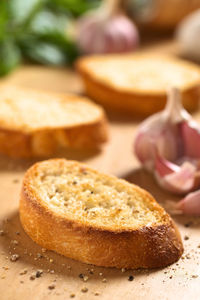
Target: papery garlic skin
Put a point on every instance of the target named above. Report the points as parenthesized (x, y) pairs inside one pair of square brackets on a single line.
[(188, 34), (191, 137), (168, 144), (160, 133), (106, 31)]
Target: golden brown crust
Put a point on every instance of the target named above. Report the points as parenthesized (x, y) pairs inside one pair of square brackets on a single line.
[(132, 102), (36, 123), (47, 142), (146, 247)]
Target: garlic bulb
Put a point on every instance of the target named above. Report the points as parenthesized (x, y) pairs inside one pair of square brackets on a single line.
[(188, 35), (107, 30), (168, 144)]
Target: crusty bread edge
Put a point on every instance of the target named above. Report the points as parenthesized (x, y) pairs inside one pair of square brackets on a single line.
[(149, 247), (46, 142), (132, 102)]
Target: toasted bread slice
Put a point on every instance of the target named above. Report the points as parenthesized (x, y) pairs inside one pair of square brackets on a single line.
[(95, 218), (34, 123), (138, 83)]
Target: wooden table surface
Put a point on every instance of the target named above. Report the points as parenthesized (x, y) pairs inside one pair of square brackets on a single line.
[(179, 281)]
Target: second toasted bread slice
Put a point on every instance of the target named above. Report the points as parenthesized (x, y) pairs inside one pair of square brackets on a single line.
[(95, 218), (138, 83), (35, 123)]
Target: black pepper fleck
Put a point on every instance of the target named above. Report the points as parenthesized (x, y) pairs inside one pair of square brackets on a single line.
[(38, 273), (188, 224), (130, 278)]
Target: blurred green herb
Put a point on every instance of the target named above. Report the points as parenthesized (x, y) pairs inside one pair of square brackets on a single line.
[(38, 30), (76, 7)]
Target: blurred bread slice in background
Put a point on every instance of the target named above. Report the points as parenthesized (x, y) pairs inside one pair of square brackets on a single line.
[(161, 15), (35, 123), (138, 83)]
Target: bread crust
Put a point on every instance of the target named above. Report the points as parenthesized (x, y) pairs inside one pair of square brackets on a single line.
[(132, 102), (147, 247), (83, 124), (46, 142)]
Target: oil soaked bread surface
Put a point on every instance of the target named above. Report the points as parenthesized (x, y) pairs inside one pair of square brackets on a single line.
[(81, 194)]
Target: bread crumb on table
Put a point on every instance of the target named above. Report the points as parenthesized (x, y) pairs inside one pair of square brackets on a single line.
[(72, 295), (23, 272), (123, 270), (84, 290), (32, 277), (14, 257), (51, 286)]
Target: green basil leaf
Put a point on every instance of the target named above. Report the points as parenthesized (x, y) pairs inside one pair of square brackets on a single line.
[(61, 40), (45, 53), (10, 57), (3, 19), (76, 7), (22, 10), (46, 21)]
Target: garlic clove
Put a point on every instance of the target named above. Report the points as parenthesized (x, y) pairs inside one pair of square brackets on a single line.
[(191, 139), (127, 33), (164, 167), (145, 150), (190, 205), (174, 178), (182, 180), (160, 132), (187, 35), (168, 145), (107, 30)]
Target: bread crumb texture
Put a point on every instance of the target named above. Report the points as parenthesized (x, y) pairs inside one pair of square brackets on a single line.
[(81, 194)]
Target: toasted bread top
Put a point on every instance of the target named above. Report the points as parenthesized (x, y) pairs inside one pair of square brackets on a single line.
[(85, 197), (28, 110), (140, 73)]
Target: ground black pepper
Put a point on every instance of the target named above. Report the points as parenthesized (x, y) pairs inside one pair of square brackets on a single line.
[(130, 278)]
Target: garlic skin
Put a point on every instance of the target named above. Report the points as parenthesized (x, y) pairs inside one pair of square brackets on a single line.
[(168, 145), (160, 133), (188, 33), (107, 30)]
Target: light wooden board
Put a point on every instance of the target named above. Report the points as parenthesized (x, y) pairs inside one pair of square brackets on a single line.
[(179, 281)]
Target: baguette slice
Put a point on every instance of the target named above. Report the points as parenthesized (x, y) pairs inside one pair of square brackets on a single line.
[(34, 123), (138, 83), (95, 218)]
